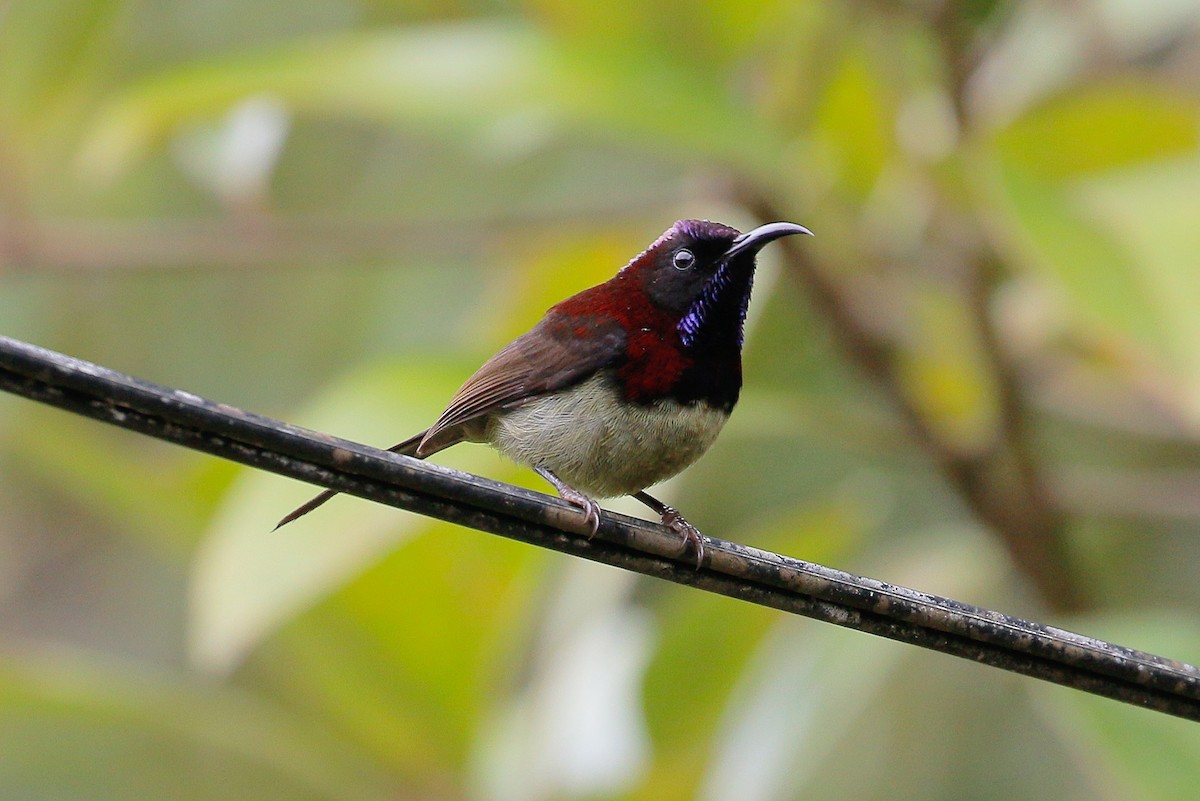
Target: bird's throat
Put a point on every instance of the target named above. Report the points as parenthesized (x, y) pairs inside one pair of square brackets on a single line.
[(718, 314)]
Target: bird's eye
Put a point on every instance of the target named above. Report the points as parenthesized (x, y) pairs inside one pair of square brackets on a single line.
[(683, 259)]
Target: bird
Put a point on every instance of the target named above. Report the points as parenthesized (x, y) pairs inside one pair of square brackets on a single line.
[(620, 386)]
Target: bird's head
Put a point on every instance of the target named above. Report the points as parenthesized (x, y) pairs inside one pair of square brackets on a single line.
[(702, 272)]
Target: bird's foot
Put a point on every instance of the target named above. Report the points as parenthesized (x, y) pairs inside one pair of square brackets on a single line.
[(676, 522), (691, 535), (591, 509)]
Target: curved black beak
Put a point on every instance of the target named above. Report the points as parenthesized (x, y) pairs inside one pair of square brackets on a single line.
[(752, 241)]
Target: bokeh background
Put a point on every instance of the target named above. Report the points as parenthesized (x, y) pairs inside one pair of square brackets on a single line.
[(981, 379)]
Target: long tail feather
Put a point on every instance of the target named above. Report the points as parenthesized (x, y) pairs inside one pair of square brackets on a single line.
[(406, 448)]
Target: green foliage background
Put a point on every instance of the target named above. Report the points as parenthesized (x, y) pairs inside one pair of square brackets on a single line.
[(330, 211)]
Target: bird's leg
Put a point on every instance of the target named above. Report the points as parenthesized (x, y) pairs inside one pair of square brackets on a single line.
[(676, 522), (591, 509)]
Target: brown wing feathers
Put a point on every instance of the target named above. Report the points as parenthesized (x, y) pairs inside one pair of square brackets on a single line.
[(554, 355)]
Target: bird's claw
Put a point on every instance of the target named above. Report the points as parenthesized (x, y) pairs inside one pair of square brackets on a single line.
[(591, 516), (691, 535), (591, 509)]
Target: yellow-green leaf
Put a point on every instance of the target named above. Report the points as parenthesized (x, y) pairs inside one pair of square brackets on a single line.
[(1100, 127)]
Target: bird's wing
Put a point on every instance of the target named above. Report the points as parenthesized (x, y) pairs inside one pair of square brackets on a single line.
[(560, 351)]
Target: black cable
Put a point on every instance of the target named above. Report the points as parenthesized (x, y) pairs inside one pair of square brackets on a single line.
[(735, 570)]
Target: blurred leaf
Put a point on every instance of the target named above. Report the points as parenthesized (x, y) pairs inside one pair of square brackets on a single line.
[(461, 79), (855, 121), (945, 371), (249, 580), (646, 102), (708, 643), (44, 48), (1102, 126), (54, 58), (1129, 753), (1041, 228), (1152, 211), (805, 690), (814, 699), (406, 658), (161, 493), (573, 726), (72, 726), (705, 35), (798, 698), (978, 12), (453, 76)]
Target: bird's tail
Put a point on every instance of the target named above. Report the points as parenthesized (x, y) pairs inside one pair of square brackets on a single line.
[(406, 448)]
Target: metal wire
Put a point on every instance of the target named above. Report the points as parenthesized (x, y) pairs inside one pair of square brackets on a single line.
[(738, 571)]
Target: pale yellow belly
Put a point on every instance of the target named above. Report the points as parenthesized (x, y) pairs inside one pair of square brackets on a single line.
[(603, 447)]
